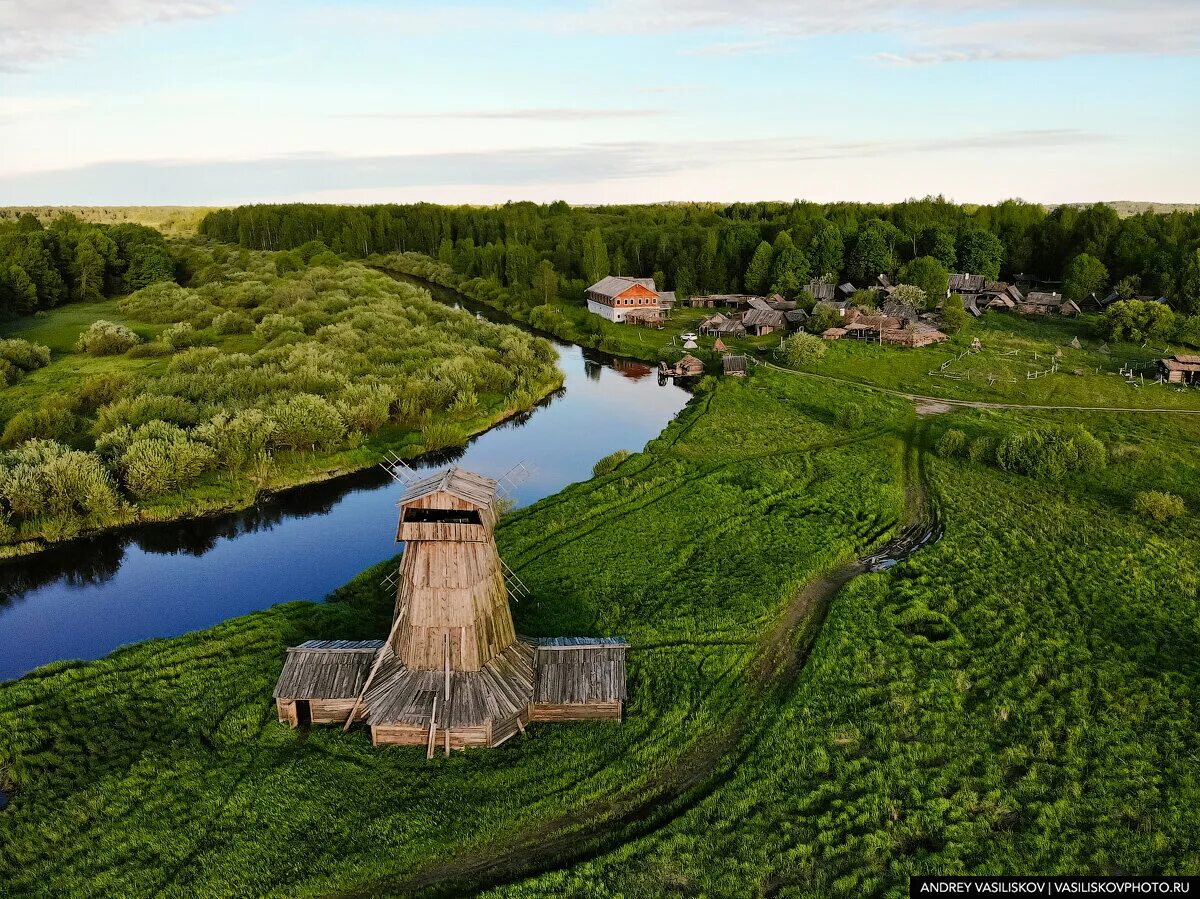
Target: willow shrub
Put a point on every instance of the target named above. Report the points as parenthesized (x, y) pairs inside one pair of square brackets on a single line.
[(105, 338), (338, 355)]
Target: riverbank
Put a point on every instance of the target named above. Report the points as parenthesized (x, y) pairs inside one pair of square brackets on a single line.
[(212, 412)]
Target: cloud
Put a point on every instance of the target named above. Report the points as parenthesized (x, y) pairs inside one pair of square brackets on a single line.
[(26, 107), (671, 88), (923, 31), (730, 48), (540, 114), (172, 182), (35, 31)]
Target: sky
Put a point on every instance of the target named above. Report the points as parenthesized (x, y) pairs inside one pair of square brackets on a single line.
[(214, 102)]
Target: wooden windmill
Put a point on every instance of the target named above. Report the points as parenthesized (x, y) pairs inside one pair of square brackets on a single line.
[(452, 670)]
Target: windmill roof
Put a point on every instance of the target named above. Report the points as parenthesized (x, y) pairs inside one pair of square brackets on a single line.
[(466, 485)]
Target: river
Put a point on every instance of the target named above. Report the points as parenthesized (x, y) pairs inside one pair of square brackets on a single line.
[(83, 599)]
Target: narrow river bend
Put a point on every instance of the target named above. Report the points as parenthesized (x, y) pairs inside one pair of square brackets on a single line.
[(84, 599)]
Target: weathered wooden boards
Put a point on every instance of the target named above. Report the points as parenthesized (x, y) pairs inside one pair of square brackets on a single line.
[(452, 671)]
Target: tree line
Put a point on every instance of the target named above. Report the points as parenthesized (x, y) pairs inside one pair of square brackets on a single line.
[(751, 247), (43, 266)]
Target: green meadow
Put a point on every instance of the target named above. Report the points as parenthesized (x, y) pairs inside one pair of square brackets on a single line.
[(1017, 696)]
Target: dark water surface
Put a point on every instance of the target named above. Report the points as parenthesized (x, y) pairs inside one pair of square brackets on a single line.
[(84, 599)]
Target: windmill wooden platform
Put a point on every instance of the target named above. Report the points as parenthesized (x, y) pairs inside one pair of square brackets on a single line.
[(452, 671)]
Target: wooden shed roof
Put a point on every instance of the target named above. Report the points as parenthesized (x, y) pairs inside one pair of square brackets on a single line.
[(326, 669), (764, 317), (466, 485), (1182, 363), (592, 671), (821, 290)]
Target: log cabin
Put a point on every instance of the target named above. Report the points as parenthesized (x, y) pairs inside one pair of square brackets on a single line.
[(452, 672)]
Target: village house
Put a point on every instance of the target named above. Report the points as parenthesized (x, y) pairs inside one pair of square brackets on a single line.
[(764, 321), (1039, 302), (822, 290), (1181, 370), (722, 300), (614, 298), (965, 284), (841, 307), (687, 367), (833, 333), (719, 325), (918, 334)]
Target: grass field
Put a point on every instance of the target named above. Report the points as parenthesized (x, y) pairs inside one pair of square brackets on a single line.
[(1019, 696), (173, 221), (159, 770)]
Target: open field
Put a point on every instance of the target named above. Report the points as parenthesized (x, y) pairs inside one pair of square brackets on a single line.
[(1014, 348), (197, 791), (1018, 693), (173, 221)]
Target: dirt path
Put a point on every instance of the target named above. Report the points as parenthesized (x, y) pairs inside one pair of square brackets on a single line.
[(936, 404), (578, 837)]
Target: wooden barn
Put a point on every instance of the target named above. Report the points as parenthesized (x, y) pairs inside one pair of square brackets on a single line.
[(452, 671), (734, 366), (1181, 370), (764, 321)]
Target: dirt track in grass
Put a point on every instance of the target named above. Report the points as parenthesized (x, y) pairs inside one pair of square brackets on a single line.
[(578, 837)]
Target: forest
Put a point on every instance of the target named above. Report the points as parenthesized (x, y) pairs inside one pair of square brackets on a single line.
[(250, 376), (44, 266), (752, 247)]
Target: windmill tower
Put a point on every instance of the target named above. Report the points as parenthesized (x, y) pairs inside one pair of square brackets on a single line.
[(451, 598), (452, 670)]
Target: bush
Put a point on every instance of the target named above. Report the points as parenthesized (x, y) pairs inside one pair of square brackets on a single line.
[(1052, 453), (306, 421), (54, 422), (1157, 505), (179, 336), (105, 338), (151, 467), (803, 349), (951, 444), (852, 416), (237, 440), (276, 325), (100, 390), (233, 322), (144, 408), (610, 462), (42, 478), (151, 349), (23, 354)]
